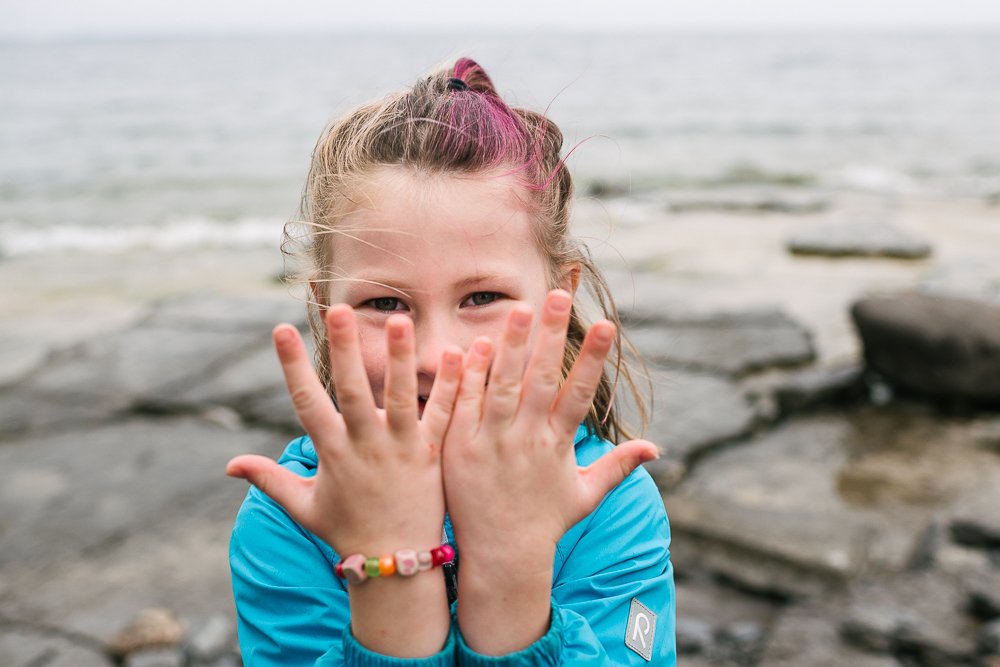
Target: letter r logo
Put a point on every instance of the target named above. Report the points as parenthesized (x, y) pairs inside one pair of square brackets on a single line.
[(641, 629)]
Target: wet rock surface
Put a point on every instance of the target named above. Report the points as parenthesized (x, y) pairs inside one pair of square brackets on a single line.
[(943, 347), (810, 526), (864, 239)]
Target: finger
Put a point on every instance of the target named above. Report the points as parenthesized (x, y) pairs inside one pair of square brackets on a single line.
[(441, 402), (280, 484), (468, 410), (544, 372), (577, 393), (350, 381), (309, 398), (400, 398), (503, 394), (608, 471)]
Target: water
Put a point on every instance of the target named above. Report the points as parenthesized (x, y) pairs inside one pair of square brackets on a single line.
[(175, 142)]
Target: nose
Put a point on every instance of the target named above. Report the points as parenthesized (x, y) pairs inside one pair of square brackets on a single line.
[(434, 334)]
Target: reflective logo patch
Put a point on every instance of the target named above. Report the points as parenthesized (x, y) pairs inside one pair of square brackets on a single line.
[(640, 629)]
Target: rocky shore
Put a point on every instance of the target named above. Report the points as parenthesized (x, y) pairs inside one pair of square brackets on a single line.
[(826, 509)]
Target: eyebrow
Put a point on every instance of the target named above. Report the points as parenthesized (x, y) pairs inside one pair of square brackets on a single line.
[(361, 282)]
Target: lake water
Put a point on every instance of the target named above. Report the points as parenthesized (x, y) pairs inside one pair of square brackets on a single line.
[(175, 142)]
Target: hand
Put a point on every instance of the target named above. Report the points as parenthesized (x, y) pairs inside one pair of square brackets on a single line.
[(512, 484), (378, 485)]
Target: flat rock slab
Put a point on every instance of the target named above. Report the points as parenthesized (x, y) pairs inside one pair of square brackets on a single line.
[(748, 200), (916, 614), (693, 412), (730, 343), (859, 239), (52, 507), (942, 347), (810, 505), (805, 635), (184, 353), (35, 647), (99, 524)]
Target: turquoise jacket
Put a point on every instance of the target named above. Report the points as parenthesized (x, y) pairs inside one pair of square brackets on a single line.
[(612, 585)]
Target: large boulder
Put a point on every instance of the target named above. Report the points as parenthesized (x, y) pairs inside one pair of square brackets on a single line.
[(945, 348)]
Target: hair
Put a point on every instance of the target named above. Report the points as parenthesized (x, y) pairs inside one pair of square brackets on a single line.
[(455, 122)]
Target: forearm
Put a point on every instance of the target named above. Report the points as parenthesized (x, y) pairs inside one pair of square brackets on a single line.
[(504, 603), (398, 616)]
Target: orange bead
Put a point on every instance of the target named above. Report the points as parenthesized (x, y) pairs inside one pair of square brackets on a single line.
[(386, 566)]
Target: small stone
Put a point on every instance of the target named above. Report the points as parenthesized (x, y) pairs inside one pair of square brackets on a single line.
[(156, 657), (989, 638), (741, 640), (151, 628), (211, 639), (694, 636), (875, 629)]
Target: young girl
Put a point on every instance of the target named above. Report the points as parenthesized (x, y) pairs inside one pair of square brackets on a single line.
[(472, 414)]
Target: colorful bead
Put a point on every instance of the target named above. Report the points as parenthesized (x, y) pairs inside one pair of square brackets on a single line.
[(424, 561), (353, 569), (442, 554), (371, 566), (386, 566), (406, 562)]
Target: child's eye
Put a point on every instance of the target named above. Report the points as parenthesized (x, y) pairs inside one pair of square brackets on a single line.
[(481, 298), (385, 303)]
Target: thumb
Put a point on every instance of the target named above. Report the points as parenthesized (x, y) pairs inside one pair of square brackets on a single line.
[(279, 483), (608, 471)]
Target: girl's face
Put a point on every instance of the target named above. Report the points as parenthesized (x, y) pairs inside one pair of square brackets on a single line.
[(454, 253)]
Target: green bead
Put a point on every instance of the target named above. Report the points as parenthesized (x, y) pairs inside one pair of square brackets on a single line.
[(371, 566)]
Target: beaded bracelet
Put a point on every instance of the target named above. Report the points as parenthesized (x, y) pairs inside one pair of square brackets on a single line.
[(358, 568)]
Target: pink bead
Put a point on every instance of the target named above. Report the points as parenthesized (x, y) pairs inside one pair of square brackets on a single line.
[(406, 562), (424, 561), (353, 568), (442, 554)]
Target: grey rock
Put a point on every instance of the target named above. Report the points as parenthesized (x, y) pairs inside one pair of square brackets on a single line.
[(156, 657), (731, 343), (913, 614), (694, 636), (989, 638), (226, 313), (792, 391), (52, 508), (227, 660), (940, 347), (212, 639), (858, 239), (876, 629), (24, 647), (747, 201), (771, 513), (806, 635), (692, 412), (983, 594)]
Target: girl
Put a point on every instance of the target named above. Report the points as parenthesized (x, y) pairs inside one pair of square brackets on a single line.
[(438, 234)]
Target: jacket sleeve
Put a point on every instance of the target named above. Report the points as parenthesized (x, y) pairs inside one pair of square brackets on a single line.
[(618, 554), (291, 609)]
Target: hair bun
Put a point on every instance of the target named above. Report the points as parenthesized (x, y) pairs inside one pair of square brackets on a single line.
[(470, 73)]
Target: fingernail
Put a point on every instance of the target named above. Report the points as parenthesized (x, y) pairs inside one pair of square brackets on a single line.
[(560, 302), (521, 318), (282, 334), (482, 347), (604, 334), (452, 358)]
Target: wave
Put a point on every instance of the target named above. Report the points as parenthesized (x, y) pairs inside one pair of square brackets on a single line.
[(18, 239)]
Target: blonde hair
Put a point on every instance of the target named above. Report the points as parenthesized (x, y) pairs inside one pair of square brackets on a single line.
[(454, 122)]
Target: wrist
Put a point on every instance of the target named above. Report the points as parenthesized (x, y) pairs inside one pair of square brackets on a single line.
[(512, 594)]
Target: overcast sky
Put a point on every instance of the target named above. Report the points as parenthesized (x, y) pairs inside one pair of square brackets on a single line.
[(54, 18)]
